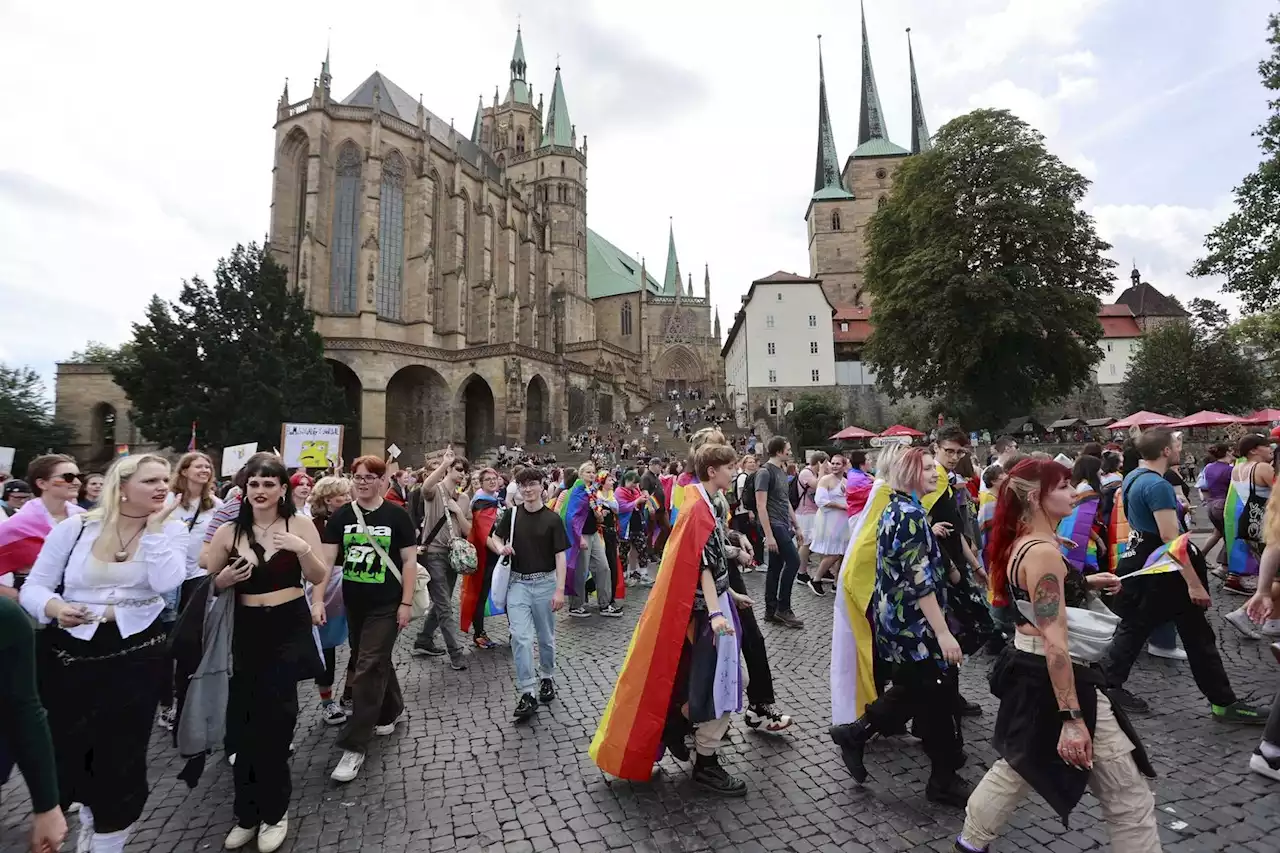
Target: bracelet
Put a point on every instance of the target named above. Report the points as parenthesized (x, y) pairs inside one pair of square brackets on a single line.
[(714, 613), (305, 553), (409, 604)]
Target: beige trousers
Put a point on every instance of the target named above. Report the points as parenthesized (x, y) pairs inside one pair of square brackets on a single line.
[(1127, 804), (707, 736)]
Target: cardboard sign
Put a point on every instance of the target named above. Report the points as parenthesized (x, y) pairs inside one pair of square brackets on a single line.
[(6, 460), (234, 457), (393, 451), (310, 445)]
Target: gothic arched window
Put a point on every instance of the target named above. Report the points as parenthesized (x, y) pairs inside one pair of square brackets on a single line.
[(387, 296), (884, 199), (520, 140), (346, 228), (835, 220), (626, 318)]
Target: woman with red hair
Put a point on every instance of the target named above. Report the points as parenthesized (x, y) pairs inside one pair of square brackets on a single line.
[(909, 607), (1058, 734)]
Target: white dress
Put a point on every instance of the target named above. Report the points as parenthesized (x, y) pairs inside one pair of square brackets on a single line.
[(831, 529)]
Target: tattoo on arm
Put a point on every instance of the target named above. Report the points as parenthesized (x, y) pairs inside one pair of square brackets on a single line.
[(1062, 676), (1047, 599)]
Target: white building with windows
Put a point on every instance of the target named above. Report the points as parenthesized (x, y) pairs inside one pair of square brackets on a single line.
[(779, 347), (1120, 334)]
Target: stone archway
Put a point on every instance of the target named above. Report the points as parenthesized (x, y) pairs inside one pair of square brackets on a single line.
[(352, 394), (417, 413), (537, 410), (678, 368), (477, 415), (102, 433)]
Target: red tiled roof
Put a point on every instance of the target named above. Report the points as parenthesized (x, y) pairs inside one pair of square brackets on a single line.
[(859, 331), (1117, 310), (782, 276), (1119, 327), (852, 312), (1117, 322)]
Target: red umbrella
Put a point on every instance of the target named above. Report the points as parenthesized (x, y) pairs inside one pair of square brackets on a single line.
[(1205, 419), (1143, 419), (1262, 416), (852, 432), (899, 429)]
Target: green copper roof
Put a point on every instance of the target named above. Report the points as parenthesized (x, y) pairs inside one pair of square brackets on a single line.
[(475, 126), (558, 130), (671, 281), (826, 178), (919, 128), (871, 127), (518, 91), (611, 271)]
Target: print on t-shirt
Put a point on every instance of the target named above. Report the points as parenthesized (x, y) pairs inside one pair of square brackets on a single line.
[(362, 563)]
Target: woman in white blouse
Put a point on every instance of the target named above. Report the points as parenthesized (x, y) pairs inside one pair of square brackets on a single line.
[(101, 662)]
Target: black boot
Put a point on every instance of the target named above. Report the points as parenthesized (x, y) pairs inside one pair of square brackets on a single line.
[(948, 789), (673, 735), (708, 773), (852, 739)]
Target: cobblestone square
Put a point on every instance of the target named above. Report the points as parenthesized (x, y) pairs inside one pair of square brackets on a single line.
[(458, 775)]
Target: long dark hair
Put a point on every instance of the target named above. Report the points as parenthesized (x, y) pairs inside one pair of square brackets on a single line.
[(262, 465), (1087, 470)]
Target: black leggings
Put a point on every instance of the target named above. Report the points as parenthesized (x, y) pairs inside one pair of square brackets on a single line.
[(931, 696)]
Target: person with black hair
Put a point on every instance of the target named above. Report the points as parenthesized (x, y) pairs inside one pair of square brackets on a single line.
[(778, 518)]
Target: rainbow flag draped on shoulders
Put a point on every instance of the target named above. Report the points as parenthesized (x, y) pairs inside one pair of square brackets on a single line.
[(1079, 546), (853, 684), (23, 535), (628, 739), (986, 520), (1241, 557), (485, 511), (573, 507), (676, 494)]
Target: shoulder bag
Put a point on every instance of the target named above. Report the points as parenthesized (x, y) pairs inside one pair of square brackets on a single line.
[(421, 601), (462, 554)]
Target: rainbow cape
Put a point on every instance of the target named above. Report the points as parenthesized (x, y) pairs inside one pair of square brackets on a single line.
[(1241, 559), (853, 685), (573, 507), (23, 535), (1079, 546), (627, 741), (986, 519), (676, 494), (1169, 557), (484, 515), (612, 553)]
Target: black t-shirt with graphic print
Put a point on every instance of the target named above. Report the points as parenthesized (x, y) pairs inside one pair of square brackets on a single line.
[(366, 583)]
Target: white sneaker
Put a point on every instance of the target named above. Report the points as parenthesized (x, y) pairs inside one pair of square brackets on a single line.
[(1174, 653), (231, 759), (84, 839), (1271, 628), (271, 836), (383, 731), (239, 836), (1240, 620), (348, 767)]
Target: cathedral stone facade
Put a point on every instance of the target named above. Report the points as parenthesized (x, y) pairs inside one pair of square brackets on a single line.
[(461, 296)]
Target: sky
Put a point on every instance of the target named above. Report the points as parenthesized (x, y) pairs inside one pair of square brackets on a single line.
[(137, 147)]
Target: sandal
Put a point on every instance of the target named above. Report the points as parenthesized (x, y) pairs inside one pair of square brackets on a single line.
[(483, 642)]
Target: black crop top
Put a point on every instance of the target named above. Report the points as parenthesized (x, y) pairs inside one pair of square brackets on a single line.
[(282, 571), (1075, 588)]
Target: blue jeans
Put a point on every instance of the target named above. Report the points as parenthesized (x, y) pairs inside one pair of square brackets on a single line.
[(782, 571), (529, 613), (1164, 637)]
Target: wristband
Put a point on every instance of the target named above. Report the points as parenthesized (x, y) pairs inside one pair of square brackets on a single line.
[(1067, 715), (714, 613), (406, 604)]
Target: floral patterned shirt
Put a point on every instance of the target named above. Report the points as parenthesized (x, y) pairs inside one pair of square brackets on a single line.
[(909, 566)]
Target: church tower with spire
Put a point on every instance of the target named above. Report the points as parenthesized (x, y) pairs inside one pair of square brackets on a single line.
[(830, 216)]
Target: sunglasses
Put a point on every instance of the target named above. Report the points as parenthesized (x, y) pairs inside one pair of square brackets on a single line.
[(73, 477)]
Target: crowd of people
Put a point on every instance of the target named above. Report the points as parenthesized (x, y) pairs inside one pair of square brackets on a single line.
[(167, 598)]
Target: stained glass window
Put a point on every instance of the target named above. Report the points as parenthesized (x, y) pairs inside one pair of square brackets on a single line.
[(387, 296), (346, 228)]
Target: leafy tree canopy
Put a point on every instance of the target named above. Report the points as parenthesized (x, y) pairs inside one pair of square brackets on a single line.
[(813, 419), (1258, 335), (985, 273), (99, 353), (1246, 248), (26, 420), (1185, 367), (240, 356)]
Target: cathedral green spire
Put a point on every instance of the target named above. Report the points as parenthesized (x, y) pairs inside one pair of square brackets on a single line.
[(558, 130), (873, 138), (919, 127), (671, 282), (518, 91), (476, 125), (826, 178)]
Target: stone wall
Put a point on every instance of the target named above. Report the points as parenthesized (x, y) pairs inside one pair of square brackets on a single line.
[(96, 408)]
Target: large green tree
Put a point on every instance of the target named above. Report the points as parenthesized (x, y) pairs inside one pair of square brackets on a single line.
[(813, 419), (1185, 367), (26, 417), (985, 273), (241, 356), (1246, 248), (1258, 335)]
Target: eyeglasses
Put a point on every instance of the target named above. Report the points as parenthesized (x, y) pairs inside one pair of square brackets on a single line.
[(70, 477), (951, 451), (365, 478)]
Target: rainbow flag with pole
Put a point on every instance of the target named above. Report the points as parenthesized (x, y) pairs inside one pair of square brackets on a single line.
[(1169, 557), (853, 684), (628, 740)]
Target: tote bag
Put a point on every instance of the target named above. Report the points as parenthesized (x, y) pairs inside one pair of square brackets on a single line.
[(497, 603)]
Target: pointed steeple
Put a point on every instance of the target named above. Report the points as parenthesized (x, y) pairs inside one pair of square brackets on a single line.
[(717, 323), (706, 281), (873, 137), (689, 292), (518, 91), (479, 122), (919, 127), (826, 177), (671, 282), (326, 79), (558, 130)]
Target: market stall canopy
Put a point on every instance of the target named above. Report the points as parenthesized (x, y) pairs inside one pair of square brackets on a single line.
[(1205, 419), (1023, 425), (1262, 416), (1099, 422), (1066, 423), (852, 432), (899, 429), (1143, 419)]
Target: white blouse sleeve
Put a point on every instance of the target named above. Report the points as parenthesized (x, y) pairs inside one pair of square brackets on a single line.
[(47, 573), (165, 556)]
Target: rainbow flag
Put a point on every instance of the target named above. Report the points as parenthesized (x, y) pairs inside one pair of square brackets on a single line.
[(1169, 557), (853, 684), (1079, 547), (1241, 559), (628, 739), (573, 507), (484, 515), (676, 494), (23, 535), (986, 518)]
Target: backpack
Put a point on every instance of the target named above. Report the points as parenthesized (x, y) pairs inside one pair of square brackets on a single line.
[(748, 493), (1118, 528), (731, 493), (793, 491)]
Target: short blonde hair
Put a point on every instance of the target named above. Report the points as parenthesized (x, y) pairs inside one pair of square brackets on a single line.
[(906, 474), (325, 488)]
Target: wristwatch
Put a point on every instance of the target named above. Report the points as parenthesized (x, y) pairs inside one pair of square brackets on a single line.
[(1069, 714)]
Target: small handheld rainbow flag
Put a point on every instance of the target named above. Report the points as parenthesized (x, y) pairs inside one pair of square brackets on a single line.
[(1169, 557)]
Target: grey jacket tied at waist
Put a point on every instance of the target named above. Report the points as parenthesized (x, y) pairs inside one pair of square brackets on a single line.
[(203, 722)]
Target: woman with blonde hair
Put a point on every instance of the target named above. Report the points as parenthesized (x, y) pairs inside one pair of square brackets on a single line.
[(328, 614), (104, 653), (582, 508)]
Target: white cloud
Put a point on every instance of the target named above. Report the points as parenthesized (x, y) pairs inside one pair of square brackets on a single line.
[(988, 39), (1083, 59)]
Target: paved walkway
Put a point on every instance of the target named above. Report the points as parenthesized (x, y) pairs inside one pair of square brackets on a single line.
[(459, 776)]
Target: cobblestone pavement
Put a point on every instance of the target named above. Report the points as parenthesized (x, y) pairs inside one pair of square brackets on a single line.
[(459, 775)]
